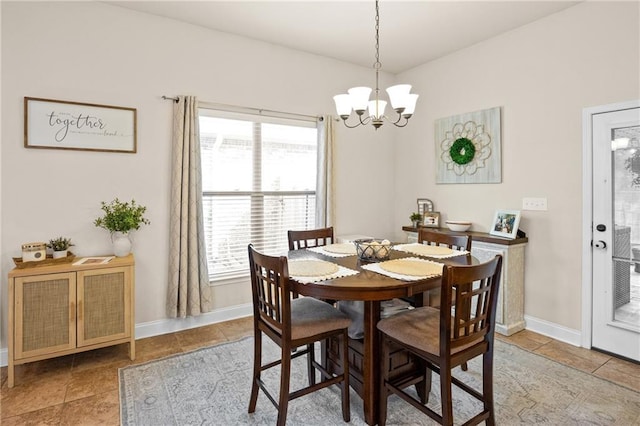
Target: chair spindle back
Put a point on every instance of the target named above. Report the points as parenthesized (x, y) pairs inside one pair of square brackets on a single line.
[(456, 242), (310, 238), (475, 305), (270, 289)]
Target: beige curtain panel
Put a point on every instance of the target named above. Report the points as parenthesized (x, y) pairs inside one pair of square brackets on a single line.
[(189, 290), (325, 215)]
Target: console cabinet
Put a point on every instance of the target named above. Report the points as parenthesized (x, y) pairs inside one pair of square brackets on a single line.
[(510, 309), (62, 309)]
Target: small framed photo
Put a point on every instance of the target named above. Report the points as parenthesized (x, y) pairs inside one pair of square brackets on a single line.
[(505, 223), (431, 219)]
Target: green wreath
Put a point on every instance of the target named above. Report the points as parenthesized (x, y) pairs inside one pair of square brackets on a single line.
[(462, 151)]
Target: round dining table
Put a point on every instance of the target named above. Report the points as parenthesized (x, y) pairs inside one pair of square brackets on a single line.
[(372, 288)]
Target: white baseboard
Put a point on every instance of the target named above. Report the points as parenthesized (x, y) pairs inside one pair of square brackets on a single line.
[(171, 325), (553, 330)]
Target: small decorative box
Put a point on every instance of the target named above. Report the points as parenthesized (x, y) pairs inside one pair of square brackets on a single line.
[(33, 252)]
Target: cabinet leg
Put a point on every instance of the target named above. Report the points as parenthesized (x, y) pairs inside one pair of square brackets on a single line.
[(132, 349), (10, 376)]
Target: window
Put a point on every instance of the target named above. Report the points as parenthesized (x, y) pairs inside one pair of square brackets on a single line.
[(258, 181)]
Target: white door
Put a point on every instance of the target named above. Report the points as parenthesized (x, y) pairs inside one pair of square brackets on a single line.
[(616, 232)]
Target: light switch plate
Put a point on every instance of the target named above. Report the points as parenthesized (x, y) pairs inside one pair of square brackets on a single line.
[(534, 204)]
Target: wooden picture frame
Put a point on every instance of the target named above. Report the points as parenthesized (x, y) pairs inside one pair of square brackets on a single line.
[(53, 124), (505, 223), (431, 219)]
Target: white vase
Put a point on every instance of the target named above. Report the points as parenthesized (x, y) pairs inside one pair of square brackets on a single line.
[(59, 254), (121, 243)]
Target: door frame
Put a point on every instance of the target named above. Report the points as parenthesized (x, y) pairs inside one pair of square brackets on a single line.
[(587, 211)]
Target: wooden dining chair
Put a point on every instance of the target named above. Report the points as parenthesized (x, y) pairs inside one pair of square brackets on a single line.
[(310, 238), (453, 241), (292, 323), (445, 340), (299, 240), (456, 242)]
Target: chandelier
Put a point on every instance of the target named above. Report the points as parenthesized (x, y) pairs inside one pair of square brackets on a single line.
[(357, 98)]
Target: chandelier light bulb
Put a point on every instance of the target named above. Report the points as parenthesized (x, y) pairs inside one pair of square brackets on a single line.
[(412, 98), (398, 95), (359, 98), (343, 105), (376, 109)]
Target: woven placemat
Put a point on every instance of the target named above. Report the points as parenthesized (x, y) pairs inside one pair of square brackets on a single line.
[(412, 267), (311, 268), (425, 250), (341, 248)]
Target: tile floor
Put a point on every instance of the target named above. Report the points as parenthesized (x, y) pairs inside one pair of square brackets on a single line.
[(82, 389)]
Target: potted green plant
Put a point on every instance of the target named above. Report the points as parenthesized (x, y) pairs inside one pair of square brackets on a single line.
[(60, 246), (416, 218), (120, 218)]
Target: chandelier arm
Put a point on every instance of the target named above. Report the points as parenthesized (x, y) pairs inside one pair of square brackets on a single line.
[(400, 117), (367, 119), (365, 122), (397, 122), (350, 127)]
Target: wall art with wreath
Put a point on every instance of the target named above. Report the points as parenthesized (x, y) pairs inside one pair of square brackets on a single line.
[(468, 147)]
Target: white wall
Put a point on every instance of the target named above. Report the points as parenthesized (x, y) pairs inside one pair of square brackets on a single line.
[(542, 75), (98, 53)]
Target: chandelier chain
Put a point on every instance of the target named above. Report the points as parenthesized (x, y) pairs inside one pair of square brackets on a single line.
[(377, 64)]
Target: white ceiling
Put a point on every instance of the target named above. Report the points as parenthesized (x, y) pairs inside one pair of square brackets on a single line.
[(411, 32)]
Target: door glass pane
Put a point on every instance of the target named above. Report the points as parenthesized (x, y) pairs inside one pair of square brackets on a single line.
[(626, 237)]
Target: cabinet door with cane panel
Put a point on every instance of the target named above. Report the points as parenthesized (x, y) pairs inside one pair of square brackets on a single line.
[(45, 316), (103, 306)]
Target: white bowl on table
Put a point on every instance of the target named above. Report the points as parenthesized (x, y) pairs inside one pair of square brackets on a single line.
[(458, 225)]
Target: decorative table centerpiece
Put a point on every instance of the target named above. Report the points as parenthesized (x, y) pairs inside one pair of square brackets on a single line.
[(372, 249)]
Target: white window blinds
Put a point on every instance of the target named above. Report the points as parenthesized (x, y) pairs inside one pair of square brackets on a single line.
[(258, 181)]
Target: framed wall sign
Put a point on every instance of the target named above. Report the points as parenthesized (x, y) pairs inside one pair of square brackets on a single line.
[(74, 125), (505, 223)]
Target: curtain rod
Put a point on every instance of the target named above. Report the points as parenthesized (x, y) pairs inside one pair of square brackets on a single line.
[(259, 111)]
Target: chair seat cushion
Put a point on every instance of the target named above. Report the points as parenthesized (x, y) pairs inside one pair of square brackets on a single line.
[(310, 316), (419, 328)]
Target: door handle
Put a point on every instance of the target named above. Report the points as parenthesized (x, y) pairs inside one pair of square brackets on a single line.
[(600, 244)]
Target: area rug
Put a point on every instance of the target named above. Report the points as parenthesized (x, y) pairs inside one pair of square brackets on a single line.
[(211, 386)]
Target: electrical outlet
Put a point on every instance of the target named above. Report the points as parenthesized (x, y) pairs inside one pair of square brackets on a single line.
[(534, 204)]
